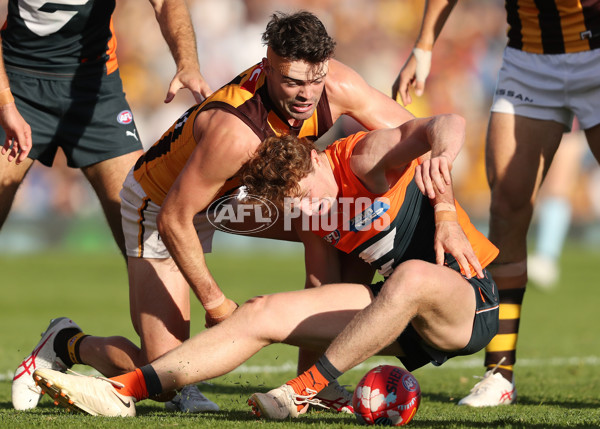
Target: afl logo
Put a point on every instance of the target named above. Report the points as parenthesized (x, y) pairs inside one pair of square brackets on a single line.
[(247, 214), (125, 117), (409, 382)]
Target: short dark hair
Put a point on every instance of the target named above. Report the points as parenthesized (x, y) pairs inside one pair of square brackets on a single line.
[(298, 36)]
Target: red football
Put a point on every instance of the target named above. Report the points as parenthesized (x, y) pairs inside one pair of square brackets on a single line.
[(387, 395)]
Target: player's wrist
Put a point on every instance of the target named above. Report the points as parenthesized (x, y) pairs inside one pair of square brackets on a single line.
[(445, 212), (6, 97)]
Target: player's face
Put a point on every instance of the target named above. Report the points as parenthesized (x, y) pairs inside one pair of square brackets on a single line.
[(295, 86), (318, 191)]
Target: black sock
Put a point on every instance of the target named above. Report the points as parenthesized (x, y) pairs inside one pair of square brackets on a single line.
[(327, 370), (153, 384), (61, 347)]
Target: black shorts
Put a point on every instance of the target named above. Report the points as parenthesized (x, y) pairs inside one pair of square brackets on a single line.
[(88, 116), (485, 325)]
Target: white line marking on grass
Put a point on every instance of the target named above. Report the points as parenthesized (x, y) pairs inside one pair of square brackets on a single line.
[(467, 363)]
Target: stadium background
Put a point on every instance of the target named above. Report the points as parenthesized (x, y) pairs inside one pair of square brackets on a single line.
[(56, 208)]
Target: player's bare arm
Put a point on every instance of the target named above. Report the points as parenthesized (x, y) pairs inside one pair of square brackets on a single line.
[(17, 142), (176, 26), (416, 69), (224, 144), (321, 260), (349, 94), (383, 154)]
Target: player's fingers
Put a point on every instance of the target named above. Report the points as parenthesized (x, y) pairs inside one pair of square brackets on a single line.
[(173, 88), (427, 184), (464, 263), (419, 88), (439, 255), (474, 261), (419, 180), (6, 145)]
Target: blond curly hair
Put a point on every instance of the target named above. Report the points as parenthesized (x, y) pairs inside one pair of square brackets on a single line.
[(277, 167)]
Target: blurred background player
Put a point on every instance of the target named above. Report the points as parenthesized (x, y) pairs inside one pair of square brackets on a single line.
[(550, 73), (60, 89), (554, 211)]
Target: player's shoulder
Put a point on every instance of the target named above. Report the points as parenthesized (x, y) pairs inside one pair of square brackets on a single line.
[(221, 127)]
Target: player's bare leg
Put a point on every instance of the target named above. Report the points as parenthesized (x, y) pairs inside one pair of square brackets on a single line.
[(11, 177), (518, 155), (107, 179), (442, 316), (306, 318), (593, 137)]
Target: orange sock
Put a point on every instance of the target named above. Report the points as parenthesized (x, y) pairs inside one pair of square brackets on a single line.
[(310, 379), (135, 385)]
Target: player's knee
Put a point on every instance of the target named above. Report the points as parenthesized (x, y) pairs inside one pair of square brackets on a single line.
[(407, 281), (507, 204)]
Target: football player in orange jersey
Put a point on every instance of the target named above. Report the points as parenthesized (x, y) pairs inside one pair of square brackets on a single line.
[(550, 74), (437, 300), (297, 88)]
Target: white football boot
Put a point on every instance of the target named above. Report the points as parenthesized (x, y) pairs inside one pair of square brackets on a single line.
[(491, 391), (336, 398), (191, 400), (96, 396), (25, 393), (281, 403)]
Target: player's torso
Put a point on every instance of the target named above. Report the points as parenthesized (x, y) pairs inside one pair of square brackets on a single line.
[(553, 26), (59, 36), (385, 230), (245, 97)]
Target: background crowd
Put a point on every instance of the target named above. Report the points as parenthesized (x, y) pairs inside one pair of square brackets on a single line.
[(373, 36)]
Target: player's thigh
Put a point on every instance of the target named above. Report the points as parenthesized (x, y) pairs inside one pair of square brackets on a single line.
[(308, 318), (159, 304), (518, 154), (12, 174), (107, 177), (444, 302)]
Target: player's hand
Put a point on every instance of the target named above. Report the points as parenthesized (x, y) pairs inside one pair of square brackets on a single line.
[(413, 74), (450, 238), (222, 312), (432, 174), (18, 134), (192, 80)]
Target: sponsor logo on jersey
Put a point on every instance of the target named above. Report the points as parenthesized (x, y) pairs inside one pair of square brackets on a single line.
[(372, 213), (333, 237), (125, 117)]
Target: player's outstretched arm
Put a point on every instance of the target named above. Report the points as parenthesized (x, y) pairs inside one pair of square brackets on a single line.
[(417, 66), (175, 23)]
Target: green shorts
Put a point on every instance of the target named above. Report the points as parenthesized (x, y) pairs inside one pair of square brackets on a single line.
[(88, 117), (485, 325)]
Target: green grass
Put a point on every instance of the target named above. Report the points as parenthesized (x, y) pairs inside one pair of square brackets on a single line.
[(557, 373)]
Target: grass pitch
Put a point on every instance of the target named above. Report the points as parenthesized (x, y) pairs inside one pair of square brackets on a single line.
[(558, 369)]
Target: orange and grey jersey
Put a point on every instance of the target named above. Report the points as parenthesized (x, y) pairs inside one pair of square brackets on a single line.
[(247, 98), (553, 26), (60, 36), (386, 229)]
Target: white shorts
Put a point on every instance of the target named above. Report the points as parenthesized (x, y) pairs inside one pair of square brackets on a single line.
[(138, 215), (550, 87)]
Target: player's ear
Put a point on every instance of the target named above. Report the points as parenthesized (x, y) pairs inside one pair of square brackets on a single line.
[(315, 156), (266, 66)]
